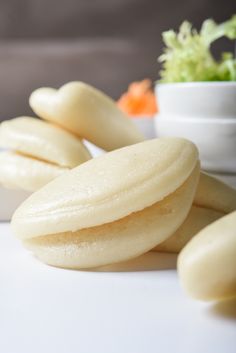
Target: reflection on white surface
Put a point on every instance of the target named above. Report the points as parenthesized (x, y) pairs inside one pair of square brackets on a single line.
[(45, 309)]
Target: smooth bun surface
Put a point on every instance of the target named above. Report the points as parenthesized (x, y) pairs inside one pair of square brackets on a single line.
[(19, 172), (197, 219), (214, 194), (120, 240), (213, 199), (107, 188), (36, 138), (88, 113), (207, 264)]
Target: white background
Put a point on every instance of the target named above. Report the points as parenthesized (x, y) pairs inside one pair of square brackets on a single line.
[(137, 308)]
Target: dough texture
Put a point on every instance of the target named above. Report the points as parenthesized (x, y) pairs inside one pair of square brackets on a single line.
[(41, 140), (20, 172), (120, 240), (213, 199), (207, 264), (86, 112), (197, 219), (111, 208), (107, 188)]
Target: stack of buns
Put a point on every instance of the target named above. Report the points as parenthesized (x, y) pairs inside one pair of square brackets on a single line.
[(140, 196), (37, 151)]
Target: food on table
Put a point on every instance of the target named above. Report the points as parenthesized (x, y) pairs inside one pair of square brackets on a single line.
[(213, 199), (86, 112), (187, 56), (122, 204), (207, 265), (111, 208), (39, 152), (139, 100)]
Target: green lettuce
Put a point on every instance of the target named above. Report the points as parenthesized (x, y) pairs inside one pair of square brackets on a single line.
[(187, 56)]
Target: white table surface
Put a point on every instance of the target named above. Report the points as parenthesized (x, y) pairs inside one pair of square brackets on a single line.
[(137, 308)]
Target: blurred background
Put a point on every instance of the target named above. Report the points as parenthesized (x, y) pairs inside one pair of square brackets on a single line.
[(107, 43)]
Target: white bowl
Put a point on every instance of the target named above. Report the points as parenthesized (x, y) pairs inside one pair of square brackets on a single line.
[(197, 99), (204, 112), (145, 125), (215, 139)]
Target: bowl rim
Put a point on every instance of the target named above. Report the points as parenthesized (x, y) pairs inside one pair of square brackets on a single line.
[(196, 84), (196, 120)]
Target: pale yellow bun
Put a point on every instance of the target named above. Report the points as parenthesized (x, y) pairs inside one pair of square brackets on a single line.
[(107, 188), (207, 265), (120, 240), (213, 199), (20, 172), (214, 194), (86, 112), (197, 219), (44, 141)]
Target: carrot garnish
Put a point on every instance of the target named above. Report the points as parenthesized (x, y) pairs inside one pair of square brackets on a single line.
[(139, 100)]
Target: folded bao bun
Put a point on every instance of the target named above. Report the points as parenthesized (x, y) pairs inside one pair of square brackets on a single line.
[(20, 172), (214, 194), (39, 139), (86, 112), (197, 219), (207, 265), (212, 201), (111, 208), (38, 153)]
